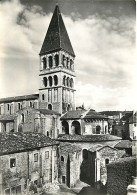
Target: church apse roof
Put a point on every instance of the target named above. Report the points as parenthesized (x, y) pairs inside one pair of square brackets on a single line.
[(88, 138), (57, 37)]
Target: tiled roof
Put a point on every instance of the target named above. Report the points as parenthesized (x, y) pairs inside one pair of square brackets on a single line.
[(112, 113), (57, 37), (70, 148), (95, 148), (88, 138), (17, 142), (48, 112), (127, 116), (75, 114), (94, 115), (19, 98), (7, 117), (124, 144), (122, 161), (99, 147)]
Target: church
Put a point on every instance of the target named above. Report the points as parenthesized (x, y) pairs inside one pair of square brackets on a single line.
[(65, 137)]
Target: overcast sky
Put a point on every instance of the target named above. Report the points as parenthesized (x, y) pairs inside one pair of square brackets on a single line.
[(102, 33)]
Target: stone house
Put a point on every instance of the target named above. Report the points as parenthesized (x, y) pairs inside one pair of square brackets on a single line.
[(26, 158), (94, 164), (70, 158)]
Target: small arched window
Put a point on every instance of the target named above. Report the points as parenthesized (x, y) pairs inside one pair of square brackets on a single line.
[(106, 161), (30, 104), (64, 80), (63, 60), (71, 64), (50, 107), (55, 80), (43, 97), (56, 60), (98, 129), (68, 83), (47, 133), (50, 81), (67, 61), (19, 106), (71, 83), (62, 158), (44, 63), (22, 118), (50, 62), (8, 106), (45, 81)]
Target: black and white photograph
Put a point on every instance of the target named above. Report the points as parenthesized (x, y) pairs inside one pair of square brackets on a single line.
[(68, 97)]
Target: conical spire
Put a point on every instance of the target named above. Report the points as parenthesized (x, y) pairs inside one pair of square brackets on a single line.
[(57, 37)]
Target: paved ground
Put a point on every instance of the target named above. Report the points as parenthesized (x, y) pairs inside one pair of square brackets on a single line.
[(78, 190)]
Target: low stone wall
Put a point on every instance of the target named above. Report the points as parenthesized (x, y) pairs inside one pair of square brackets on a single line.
[(119, 176)]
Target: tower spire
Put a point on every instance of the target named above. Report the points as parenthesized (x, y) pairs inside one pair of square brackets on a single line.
[(57, 37)]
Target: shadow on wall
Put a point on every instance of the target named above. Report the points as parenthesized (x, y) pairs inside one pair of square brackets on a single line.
[(87, 169)]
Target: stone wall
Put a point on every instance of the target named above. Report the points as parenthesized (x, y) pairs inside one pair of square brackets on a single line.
[(75, 159), (18, 168), (16, 175), (120, 176), (12, 107), (90, 127)]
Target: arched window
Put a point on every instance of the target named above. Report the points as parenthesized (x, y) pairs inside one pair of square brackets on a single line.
[(85, 154), (43, 97), (50, 81), (56, 60), (55, 80), (68, 107), (8, 106), (67, 61), (50, 62), (22, 118), (65, 127), (44, 63), (45, 81), (71, 83), (106, 161), (50, 107), (71, 64), (68, 83), (30, 104), (63, 60), (47, 133), (19, 107), (62, 158), (98, 129), (76, 128), (64, 80)]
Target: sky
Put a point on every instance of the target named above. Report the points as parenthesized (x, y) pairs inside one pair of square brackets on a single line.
[(102, 33)]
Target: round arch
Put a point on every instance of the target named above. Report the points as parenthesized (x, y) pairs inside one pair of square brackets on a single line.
[(76, 128), (65, 127), (45, 81), (50, 81), (44, 60), (49, 107), (71, 83), (68, 82), (55, 80), (98, 129), (56, 60), (50, 62)]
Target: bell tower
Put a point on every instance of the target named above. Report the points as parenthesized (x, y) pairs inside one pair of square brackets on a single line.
[(57, 75)]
